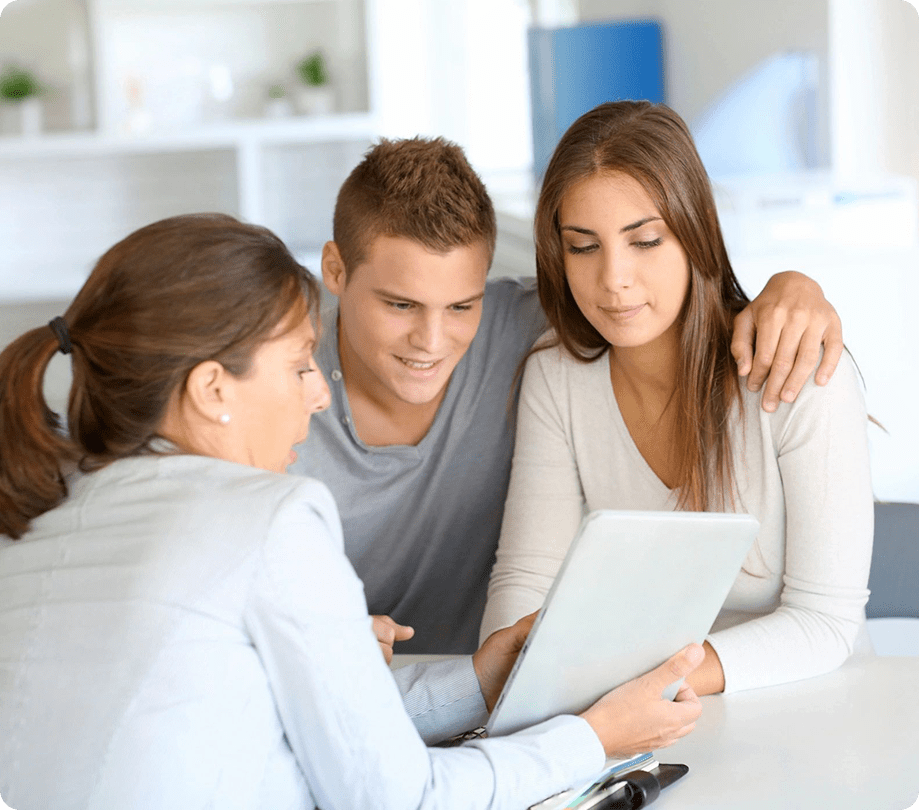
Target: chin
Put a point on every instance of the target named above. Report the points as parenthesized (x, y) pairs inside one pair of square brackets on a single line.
[(417, 395)]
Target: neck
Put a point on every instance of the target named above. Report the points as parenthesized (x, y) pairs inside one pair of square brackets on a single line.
[(644, 380), (651, 370)]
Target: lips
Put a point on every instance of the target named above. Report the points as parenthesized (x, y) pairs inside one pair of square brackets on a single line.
[(622, 313)]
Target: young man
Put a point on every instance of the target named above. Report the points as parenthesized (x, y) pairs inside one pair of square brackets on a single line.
[(421, 356)]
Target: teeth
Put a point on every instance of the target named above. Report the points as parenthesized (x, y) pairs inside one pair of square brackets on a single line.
[(419, 366)]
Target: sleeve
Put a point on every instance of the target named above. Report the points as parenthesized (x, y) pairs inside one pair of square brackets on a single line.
[(821, 449), (442, 698), (545, 501), (338, 702)]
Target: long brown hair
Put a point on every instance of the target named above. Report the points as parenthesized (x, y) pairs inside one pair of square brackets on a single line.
[(651, 144), (166, 298)]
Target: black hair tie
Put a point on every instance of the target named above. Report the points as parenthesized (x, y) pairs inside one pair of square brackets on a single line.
[(59, 327)]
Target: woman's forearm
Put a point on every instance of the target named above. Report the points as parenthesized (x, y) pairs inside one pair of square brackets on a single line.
[(708, 677)]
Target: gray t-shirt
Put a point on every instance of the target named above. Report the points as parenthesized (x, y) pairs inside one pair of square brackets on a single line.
[(421, 523)]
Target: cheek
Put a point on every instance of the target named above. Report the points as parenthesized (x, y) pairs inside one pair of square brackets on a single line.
[(379, 331), (579, 285), (680, 289)]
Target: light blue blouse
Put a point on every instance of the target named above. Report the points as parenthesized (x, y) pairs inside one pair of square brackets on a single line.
[(184, 632)]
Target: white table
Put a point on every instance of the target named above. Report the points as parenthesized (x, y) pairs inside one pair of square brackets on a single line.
[(848, 740), (844, 741)]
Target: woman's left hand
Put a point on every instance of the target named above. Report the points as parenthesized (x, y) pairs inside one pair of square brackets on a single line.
[(494, 660), (788, 321)]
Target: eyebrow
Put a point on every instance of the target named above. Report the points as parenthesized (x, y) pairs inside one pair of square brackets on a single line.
[(631, 227), (404, 299)]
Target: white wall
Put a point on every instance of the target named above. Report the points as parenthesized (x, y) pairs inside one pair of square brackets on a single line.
[(874, 59), (456, 69)]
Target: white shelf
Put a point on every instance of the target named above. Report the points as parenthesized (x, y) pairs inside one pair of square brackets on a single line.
[(148, 6), (71, 195), (204, 137)]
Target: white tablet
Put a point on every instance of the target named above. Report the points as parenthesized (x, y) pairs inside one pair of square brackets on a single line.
[(634, 588)]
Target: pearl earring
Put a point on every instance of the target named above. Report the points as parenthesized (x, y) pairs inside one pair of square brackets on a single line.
[(224, 418)]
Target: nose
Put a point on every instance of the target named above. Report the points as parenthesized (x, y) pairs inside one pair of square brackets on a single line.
[(427, 333), (321, 398), (616, 272)]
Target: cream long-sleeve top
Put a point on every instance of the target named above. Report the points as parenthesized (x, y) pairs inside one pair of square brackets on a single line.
[(797, 607), (187, 633)]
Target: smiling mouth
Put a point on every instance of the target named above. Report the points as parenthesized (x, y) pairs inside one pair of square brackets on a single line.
[(418, 365)]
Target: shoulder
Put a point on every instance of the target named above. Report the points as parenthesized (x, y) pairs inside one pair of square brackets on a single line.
[(841, 400), (307, 502), (513, 304), (204, 490), (552, 360), (552, 374), (512, 292)]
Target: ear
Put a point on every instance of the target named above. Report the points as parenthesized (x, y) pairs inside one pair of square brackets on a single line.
[(209, 389), (334, 273)]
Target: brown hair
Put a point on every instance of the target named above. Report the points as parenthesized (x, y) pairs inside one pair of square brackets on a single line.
[(418, 188), (168, 297), (651, 144)]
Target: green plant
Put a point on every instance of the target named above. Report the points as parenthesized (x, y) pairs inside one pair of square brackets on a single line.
[(17, 85), (313, 71)]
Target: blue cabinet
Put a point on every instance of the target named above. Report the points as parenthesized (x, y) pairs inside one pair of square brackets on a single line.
[(574, 69)]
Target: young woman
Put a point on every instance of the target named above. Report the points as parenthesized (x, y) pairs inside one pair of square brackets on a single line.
[(634, 402), (179, 626)]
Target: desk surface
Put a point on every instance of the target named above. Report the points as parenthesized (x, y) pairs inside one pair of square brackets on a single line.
[(848, 740)]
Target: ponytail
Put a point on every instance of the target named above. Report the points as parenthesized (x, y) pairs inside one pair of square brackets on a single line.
[(34, 452)]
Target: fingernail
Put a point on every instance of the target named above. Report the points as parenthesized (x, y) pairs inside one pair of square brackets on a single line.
[(789, 395), (695, 654), (770, 405), (821, 379), (753, 386)]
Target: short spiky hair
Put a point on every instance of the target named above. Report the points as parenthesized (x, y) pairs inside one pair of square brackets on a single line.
[(423, 189)]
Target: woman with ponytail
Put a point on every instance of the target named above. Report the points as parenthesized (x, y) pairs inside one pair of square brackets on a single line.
[(179, 626)]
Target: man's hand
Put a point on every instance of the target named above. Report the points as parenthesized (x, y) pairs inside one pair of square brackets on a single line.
[(388, 632), (494, 660), (788, 320)]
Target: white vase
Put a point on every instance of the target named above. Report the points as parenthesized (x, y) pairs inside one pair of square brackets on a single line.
[(278, 108), (23, 118), (31, 117), (316, 100)]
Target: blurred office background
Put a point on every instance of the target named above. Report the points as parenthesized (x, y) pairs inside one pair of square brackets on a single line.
[(114, 113)]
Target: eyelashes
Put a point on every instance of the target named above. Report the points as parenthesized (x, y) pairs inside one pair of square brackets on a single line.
[(405, 306), (576, 250)]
